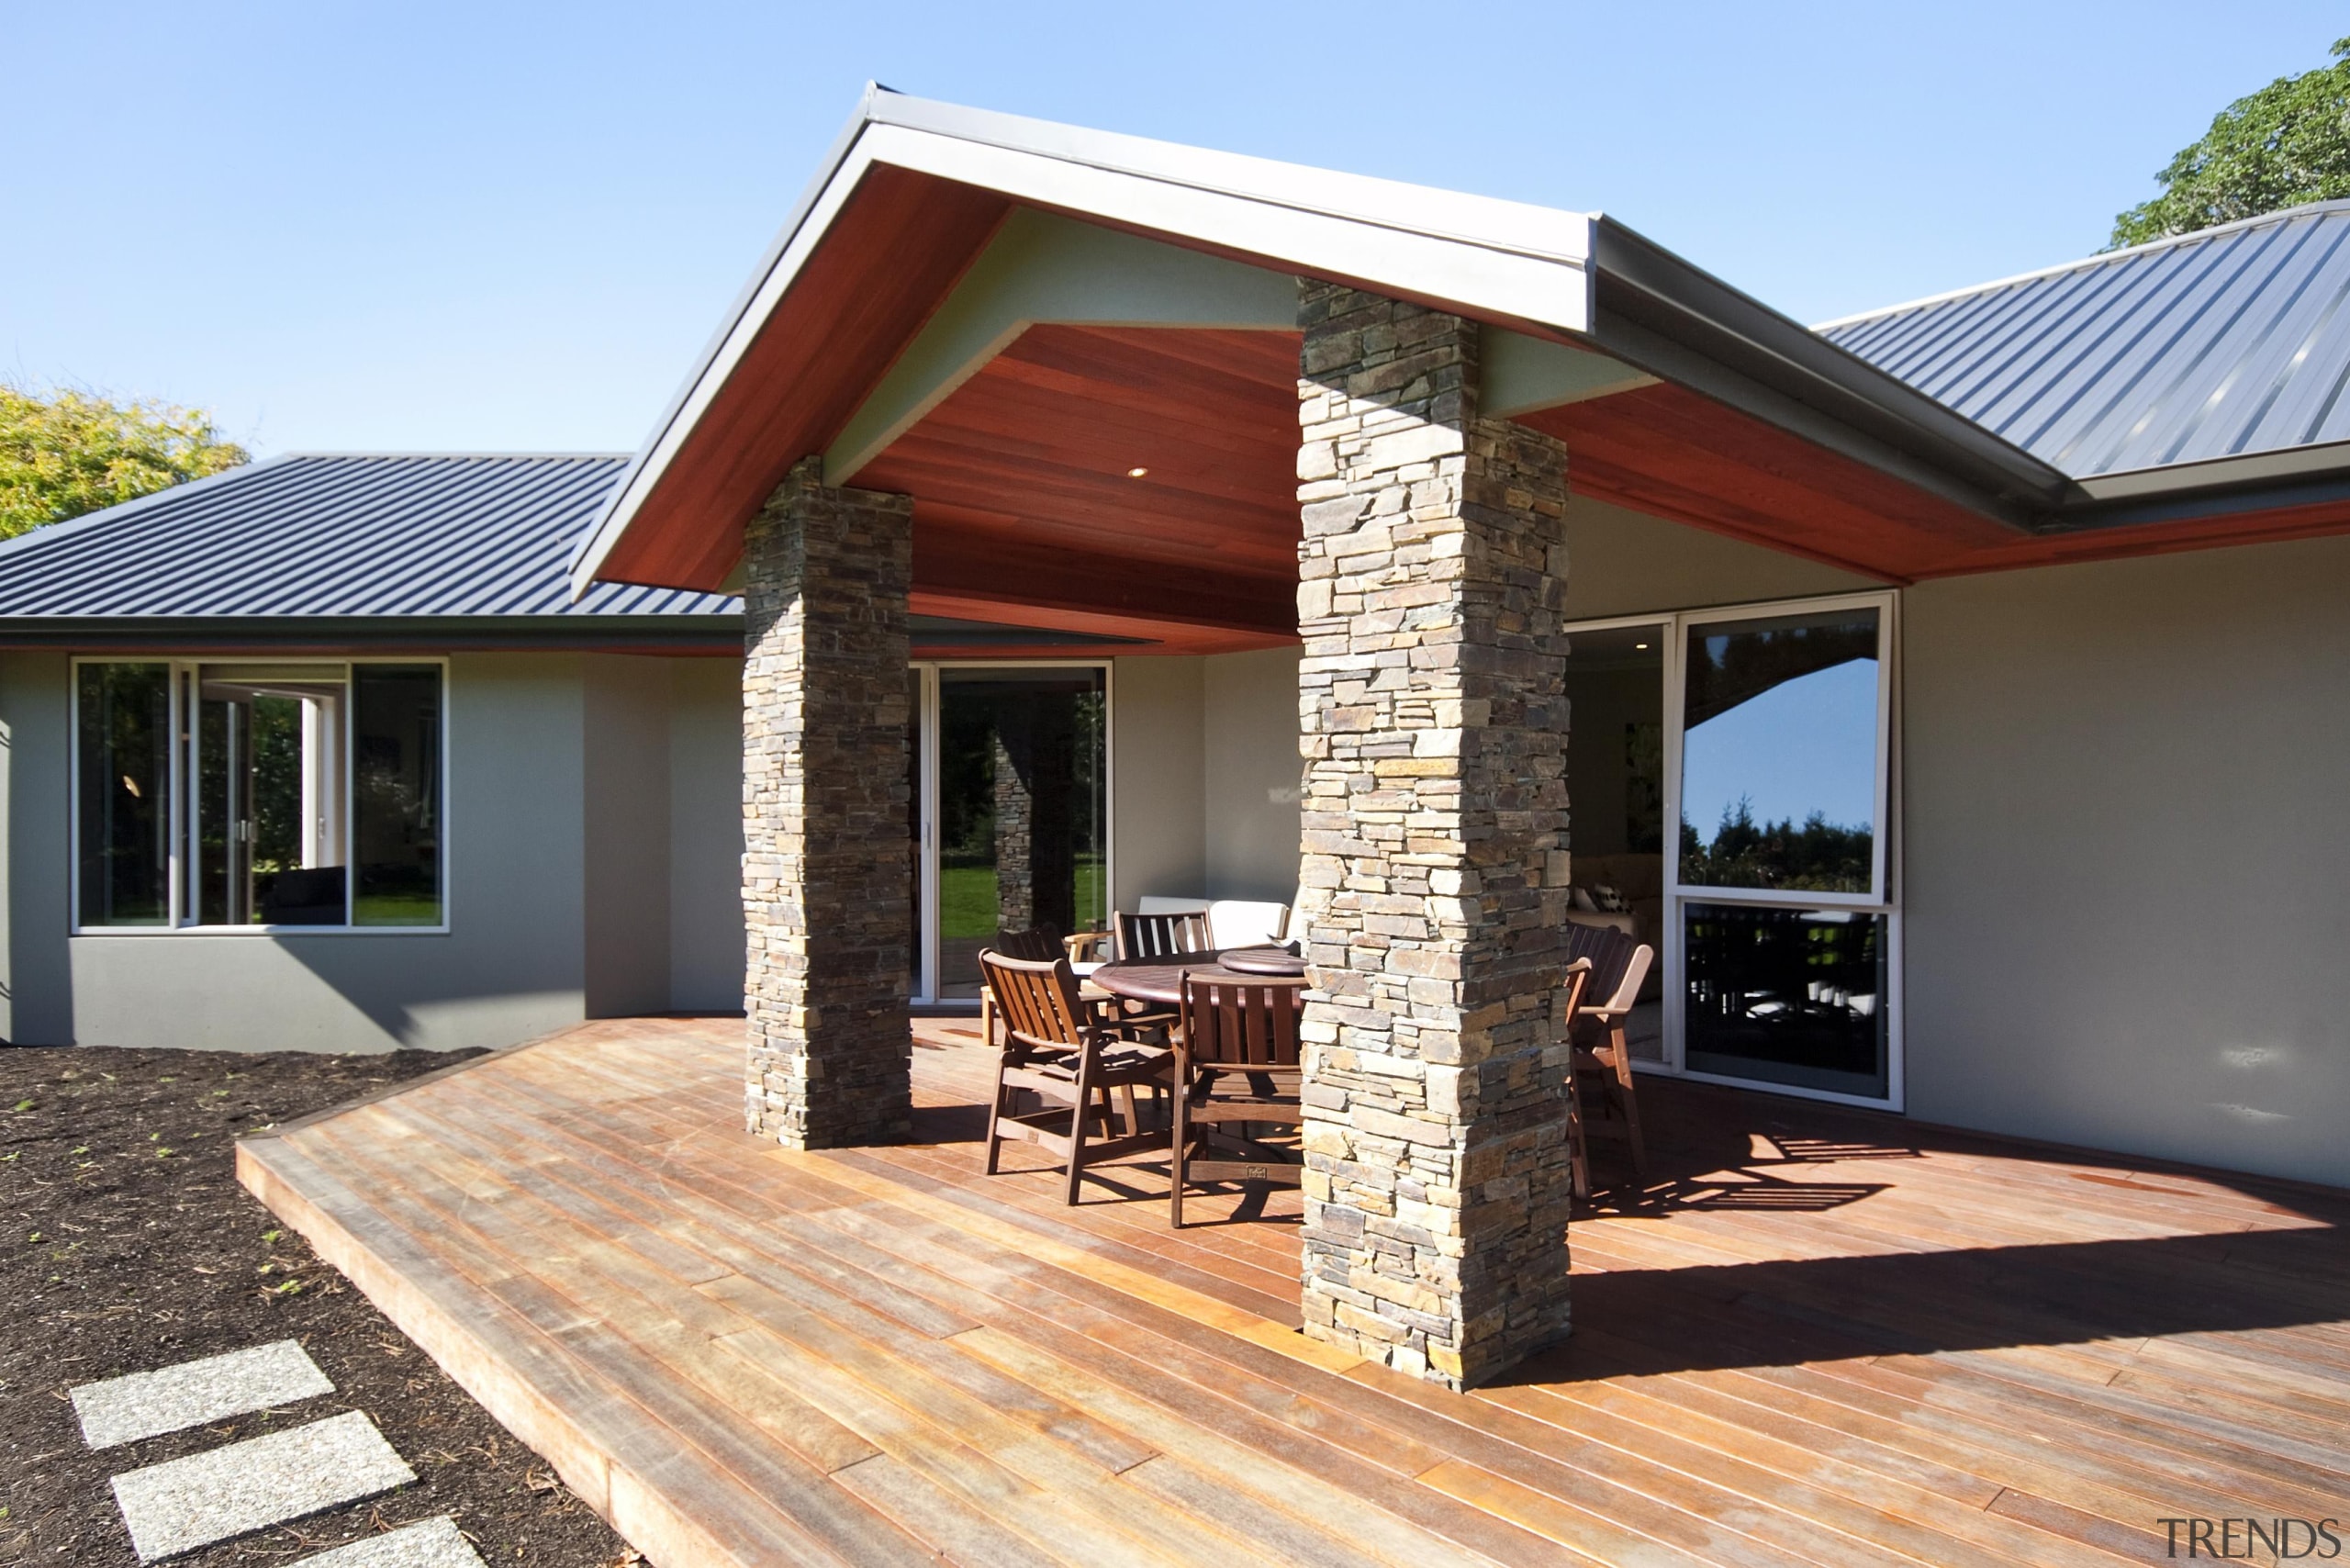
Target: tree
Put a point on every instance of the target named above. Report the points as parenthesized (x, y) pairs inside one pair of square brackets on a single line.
[(2286, 144), (71, 453)]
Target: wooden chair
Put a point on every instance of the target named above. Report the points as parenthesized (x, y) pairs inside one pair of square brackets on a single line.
[(1236, 1071), (1602, 1055), (1039, 945), (1162, 935), (1053, 1049)]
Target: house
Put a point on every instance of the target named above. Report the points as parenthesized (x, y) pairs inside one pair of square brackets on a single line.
[(1950, 693), (321, 754)]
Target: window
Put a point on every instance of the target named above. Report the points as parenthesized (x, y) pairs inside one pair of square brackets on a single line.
[(243, 794)]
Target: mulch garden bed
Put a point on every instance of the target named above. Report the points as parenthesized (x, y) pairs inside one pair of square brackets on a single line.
[(126, 1245)]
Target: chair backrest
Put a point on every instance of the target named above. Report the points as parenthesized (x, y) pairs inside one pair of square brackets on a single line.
[(1627, 990), (1037, 1000), (1246, 923), (1163, 903), (1248, 1022), (1162, 935), (1040, 945), (1618, 965)]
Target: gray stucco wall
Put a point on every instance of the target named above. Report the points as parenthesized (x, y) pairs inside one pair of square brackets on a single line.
[(583, 791), (1626, 563), (1251, 773), (706, 836), (1156, 706), (625, 845), (2126, 855)]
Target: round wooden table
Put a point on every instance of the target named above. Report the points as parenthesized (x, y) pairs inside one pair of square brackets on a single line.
[(1161, 981)]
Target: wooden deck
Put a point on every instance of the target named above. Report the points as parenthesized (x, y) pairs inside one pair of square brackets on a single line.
[(1821, 1337)]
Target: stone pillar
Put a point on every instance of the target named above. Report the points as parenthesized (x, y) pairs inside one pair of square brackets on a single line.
[(826, 863), (1434, 730)]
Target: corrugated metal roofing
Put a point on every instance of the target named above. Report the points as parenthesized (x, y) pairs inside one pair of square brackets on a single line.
[(2223, 343), (341, 536)]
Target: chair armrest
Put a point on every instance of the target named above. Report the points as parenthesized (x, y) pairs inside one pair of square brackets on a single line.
[(1082, 946)]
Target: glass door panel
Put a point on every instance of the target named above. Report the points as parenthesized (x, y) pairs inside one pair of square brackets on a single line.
[(1614, 684), (1787, 996), (1022, 812), (1780, 773)]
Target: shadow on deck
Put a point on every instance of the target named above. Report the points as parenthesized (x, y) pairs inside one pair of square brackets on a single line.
[(1819, 1336)]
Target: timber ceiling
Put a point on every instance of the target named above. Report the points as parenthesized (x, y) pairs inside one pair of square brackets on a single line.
[(1027, 513)]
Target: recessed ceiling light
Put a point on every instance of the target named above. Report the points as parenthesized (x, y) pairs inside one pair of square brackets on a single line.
[(1641, 647), (1137, 473)]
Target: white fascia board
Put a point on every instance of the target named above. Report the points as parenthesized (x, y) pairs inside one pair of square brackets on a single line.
[(1482, 256), (1479, 276), (1475, 220), (1518, 374), (1041, 267)]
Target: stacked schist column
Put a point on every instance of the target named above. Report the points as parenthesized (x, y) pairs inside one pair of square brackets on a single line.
[(1431, 581), (827, 861)]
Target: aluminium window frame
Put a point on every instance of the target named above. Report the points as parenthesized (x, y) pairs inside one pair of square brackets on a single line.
[(184, 738)]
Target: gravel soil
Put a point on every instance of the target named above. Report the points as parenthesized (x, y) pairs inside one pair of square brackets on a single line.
[(126, 1245)]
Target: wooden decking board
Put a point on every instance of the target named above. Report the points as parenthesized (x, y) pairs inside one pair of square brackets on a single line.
[(1125, 1251), (2225, 1426), (1861, 1514), (811, 1325), (585, 1311), (1156, 1339), (1821, 1336), (534, 1380), (1035, 1190), (806, 1324), (2036, 1460), (2266, 1479)]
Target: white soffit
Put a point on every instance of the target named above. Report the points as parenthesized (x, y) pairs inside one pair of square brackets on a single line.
[(1044, 268), (1518, 374), (1486, 258)]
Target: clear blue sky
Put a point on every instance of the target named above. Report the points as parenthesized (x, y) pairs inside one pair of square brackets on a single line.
[(428, 226), (1807, 745)]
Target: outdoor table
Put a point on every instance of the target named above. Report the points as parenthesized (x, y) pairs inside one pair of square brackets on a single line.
[(1161, 981)]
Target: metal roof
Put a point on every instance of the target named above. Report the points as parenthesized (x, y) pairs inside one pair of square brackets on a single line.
[(2219, 344), (408, 535)]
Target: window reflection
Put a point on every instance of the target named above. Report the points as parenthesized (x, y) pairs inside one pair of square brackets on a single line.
[(1779, 784), (1788, 996), (1022, 810)]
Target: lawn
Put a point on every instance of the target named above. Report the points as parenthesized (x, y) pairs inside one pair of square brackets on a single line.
[(967, 898)]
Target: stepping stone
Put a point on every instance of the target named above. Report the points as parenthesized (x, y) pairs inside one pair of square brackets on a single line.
[(435, 1543), (147, 1405), (183, 1504)]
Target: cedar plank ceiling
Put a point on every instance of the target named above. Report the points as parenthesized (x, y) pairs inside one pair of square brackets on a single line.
[(1023, 496), (1674, 454), (1025, 512)]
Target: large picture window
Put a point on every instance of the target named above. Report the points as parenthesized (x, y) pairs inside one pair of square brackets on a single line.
[(239, 794)]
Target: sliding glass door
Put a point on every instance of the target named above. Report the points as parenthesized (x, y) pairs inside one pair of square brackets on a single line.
[(1011, 827), (1732, 777)]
